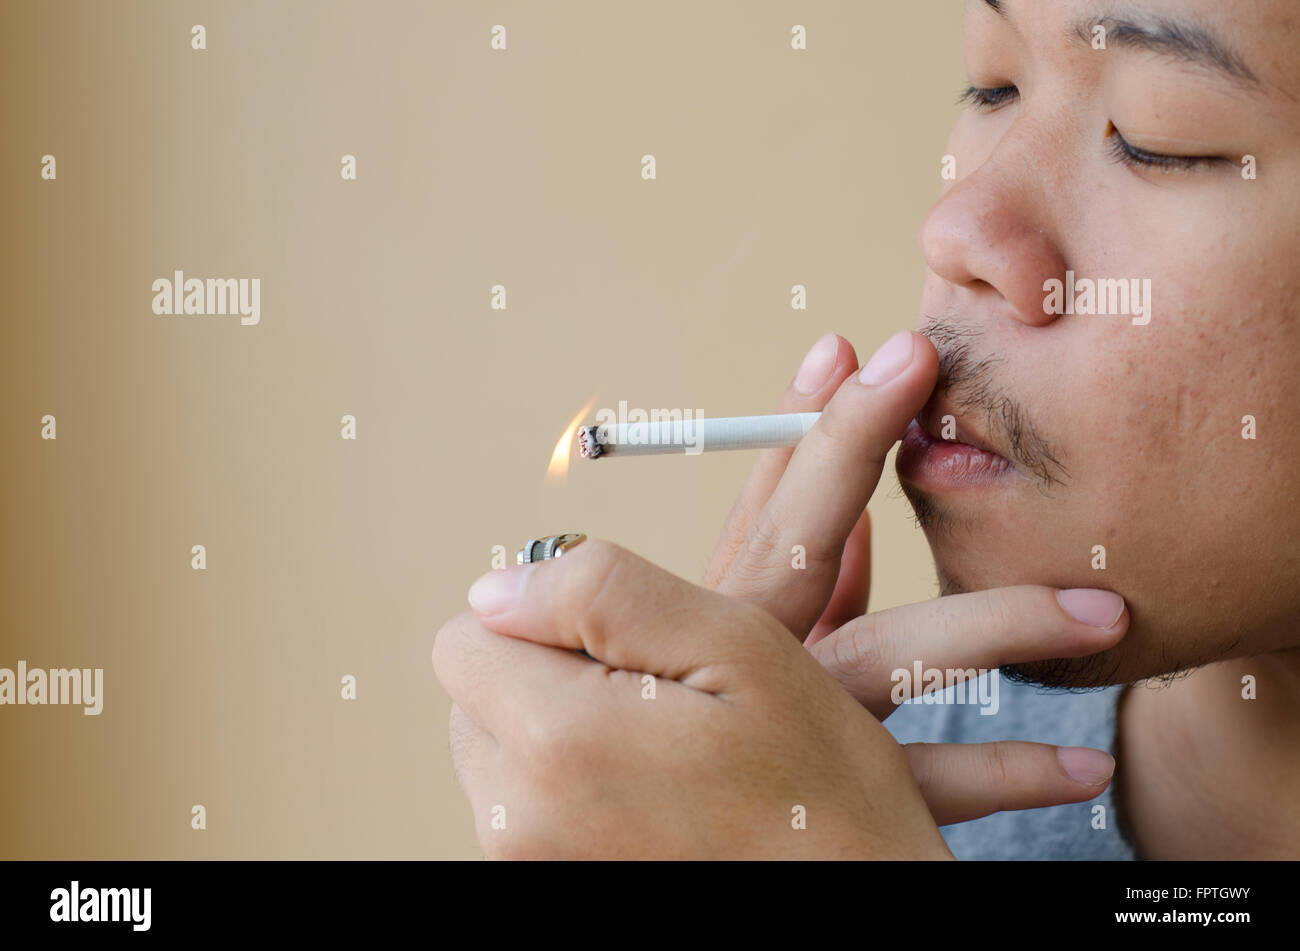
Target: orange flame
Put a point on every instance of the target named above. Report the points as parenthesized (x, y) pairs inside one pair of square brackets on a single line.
[(559, 467)]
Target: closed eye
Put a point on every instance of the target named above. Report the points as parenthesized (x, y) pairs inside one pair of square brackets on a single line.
[(1132, 156), (988, 97)]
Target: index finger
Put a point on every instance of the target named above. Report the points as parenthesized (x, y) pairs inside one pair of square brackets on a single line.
[(967, 633), (826, 486), (824, 368)]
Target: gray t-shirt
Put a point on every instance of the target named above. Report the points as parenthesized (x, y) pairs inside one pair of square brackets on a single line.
[(1072, 831)]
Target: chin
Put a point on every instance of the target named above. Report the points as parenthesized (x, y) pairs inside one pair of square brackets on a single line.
[(1143, 655), (967, 561)]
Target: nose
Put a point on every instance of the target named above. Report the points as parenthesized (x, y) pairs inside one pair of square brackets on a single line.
[(993, 228)]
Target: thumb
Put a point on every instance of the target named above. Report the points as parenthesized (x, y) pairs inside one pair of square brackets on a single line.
[(619, 608)]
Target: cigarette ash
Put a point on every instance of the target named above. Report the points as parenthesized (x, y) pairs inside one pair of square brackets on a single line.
[(588, 445)]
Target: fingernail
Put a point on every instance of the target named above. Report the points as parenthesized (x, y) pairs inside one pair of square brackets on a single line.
[(893, 357), (499, 590), (1084, 765), (1091, 606), (817, 365)]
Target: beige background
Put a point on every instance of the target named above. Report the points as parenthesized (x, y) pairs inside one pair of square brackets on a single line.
[(328, 557)]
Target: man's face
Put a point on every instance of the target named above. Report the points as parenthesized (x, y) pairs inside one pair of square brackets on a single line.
[(1123, 162)]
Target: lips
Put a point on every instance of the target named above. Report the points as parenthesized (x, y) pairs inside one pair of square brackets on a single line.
[(931, 420), (929, 461)]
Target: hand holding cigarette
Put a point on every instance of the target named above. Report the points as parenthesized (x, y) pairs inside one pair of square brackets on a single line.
[(562, 747), (816, 496)]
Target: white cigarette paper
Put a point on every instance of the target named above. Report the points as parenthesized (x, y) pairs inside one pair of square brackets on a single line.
[(692, 436)]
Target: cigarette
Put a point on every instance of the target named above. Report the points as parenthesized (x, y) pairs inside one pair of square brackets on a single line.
[(691, 436)]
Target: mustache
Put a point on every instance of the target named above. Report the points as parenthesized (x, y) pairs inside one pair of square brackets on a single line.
[(970, 380)]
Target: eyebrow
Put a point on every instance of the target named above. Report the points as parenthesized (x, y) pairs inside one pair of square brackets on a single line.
[(1163, 36), (1182, 42)]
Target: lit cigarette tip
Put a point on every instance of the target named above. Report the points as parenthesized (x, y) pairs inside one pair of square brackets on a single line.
[(587, 444)]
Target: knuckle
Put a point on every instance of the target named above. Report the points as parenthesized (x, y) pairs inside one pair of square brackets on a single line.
[(460, 741), (600, 573), (872, 639), (537, 734), (451, 639), (836, 430), (843, 431), (761, 541), (460, 728), (743, 514), (764, 555), (854, 652), (999, 608), (925, 765), (596, 551), (745, 510), (588, 569), (998, 763), (1000, 622), (550, 741), (763, 564)]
